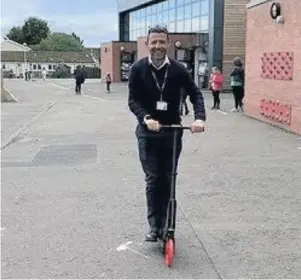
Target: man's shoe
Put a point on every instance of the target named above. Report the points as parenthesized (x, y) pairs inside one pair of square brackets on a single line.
[(152, 236)]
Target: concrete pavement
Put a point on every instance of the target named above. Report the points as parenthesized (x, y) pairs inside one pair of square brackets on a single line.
[(73, 203)]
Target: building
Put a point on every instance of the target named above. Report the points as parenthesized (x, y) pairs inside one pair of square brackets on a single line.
[(204, 33), (16, 62), (273, 62)]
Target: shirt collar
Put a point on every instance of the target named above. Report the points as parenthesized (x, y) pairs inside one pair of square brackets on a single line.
[(166, 61)]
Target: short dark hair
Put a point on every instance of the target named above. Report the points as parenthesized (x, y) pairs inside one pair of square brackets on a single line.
[(158, 29), (237, 61)]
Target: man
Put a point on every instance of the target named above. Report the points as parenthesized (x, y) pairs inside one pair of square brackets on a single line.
[(155, 85), (79, 75)]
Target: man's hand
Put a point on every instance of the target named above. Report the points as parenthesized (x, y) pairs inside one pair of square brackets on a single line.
[(152, 125), (197, 126)]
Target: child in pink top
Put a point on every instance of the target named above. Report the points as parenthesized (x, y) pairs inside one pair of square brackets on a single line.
[(216, 85)]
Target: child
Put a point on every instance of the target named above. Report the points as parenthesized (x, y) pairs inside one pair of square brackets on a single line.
[(108, 80), (216, 84)]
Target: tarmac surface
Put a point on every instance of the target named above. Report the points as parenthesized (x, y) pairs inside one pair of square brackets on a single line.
[(73, 192)]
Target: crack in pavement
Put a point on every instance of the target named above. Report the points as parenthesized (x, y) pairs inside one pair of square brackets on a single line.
[(14, 137), (200, 242)]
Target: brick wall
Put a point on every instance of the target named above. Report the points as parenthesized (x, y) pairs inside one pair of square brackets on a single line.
[(106, 59), (111, 57), (234, 35), (266, 36)]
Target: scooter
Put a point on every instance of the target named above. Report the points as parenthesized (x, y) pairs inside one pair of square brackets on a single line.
[(168, 238)]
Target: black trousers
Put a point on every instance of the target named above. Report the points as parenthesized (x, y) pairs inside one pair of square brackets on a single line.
[(184, 105), (78, 86), (238, 93), (108, 86), (155, 153), (216, 99)]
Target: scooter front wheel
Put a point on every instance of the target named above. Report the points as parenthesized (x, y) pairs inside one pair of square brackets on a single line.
[(169, 252)]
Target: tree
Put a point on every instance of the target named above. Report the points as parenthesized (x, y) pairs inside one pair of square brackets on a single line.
[(58, 41), (32, 32), (15, 34), (35, 30), (78, 38)]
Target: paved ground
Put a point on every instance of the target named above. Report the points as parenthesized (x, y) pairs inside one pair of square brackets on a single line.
[(73, 192)]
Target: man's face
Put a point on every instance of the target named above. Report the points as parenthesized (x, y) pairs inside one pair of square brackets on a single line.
[(157, 44)]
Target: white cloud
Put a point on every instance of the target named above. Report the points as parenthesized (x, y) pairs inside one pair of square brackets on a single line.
[(16, 14), (92, 28), (96, 25)]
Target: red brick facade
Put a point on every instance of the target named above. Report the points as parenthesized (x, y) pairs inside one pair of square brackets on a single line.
[(111, 57), (273, 65)]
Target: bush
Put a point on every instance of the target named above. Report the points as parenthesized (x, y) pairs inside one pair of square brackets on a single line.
[(61, 72), (93, 72)]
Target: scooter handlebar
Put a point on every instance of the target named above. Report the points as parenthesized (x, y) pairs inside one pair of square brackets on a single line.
[(179, 126)]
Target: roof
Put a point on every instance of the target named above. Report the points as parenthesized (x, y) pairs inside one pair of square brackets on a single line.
[(47, 57), (9, 45)]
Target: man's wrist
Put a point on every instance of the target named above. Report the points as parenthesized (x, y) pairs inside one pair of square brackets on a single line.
[(146, 118)]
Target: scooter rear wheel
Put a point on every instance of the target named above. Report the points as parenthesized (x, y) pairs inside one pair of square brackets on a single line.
[(169, 252)]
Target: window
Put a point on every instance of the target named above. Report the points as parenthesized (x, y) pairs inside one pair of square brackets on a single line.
[(180, 26), (172, 15), (34, 67), (148, 10), (172, 27), (180, 13), (180, 2), (159, 7), (165, 5), (187, 11), (172, 4), (205, 7), (153, 20), (3, 66), (187, 2), (49, 67), (149, 22), (154, 9), (196, 9), (138, 13), (187, 25), (195, 24), (204, 23), (159, 18), (165, 16)]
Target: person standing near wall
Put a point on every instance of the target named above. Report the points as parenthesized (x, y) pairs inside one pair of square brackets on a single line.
[(216, 85), (108, 81), (237, 84)]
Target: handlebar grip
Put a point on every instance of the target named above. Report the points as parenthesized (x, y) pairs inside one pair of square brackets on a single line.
[(179, 126)]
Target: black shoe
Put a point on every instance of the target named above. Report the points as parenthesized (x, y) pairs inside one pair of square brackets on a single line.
[(152, 236)]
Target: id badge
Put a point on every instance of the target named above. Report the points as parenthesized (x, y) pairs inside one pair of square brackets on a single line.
[(161, 106)]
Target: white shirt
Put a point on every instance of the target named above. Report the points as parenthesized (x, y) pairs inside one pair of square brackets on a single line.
[(166, 61)]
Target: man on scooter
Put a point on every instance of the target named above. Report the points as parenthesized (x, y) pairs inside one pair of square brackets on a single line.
[(155, 85)]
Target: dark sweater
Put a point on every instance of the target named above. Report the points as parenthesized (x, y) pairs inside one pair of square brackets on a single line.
[(144, 94)]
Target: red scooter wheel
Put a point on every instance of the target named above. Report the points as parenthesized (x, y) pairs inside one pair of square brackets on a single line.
[(169, 252)]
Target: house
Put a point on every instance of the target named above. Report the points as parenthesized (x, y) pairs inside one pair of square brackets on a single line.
[(16, 59), (36, 61)]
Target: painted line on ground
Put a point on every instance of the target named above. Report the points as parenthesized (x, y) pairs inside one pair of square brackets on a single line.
[(93, 97), (14, 136), (83, 94), (222, 112), (59, 86)]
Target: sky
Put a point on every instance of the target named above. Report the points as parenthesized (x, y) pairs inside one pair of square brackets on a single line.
[(94, 21)]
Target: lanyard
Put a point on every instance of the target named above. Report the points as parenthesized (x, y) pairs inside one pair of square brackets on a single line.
[(163, 84)]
